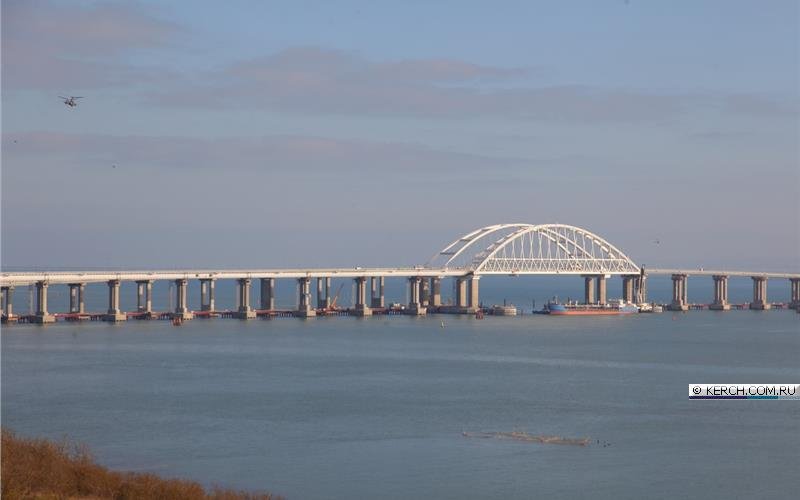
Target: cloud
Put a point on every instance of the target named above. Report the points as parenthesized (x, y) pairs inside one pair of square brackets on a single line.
[(51, 46), (313, 80)]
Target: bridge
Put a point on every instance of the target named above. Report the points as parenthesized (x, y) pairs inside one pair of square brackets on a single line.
[(501, 249)]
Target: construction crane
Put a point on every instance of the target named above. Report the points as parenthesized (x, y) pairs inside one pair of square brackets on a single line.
[(332, 307)]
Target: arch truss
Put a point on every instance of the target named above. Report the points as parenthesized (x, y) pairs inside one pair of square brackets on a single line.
[(533, 249)]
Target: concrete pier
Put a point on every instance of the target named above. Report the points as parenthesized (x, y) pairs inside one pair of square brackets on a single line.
[(720, 293), (759, 302), (77, 303), (436, 292), (378, 299), (208, 301), (474, 301), (795, 295), (602, 295), (304, 309), (627, 288), (424, 292), (181, 300), (415, 307), (144, 296), (114, 314), (588, 290), (640, 288), (679, 293), (360, 298), (244, 310), (7, 303), (267, 296), (323, 293), (461, 292)]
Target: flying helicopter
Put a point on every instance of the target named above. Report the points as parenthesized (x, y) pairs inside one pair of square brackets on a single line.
[(70, 101)]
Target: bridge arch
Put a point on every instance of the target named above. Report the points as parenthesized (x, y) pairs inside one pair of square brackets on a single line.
[(533, 249)]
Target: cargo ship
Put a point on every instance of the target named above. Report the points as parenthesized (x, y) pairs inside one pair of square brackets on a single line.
[(572, 309)]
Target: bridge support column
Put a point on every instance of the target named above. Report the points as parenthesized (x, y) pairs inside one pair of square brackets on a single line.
[(244, 311), (415, 306), (76, 301), (759, 302), (588, 290), (795, 296), (424, 292), (461, 292), (208, 301), (360, 299), (679, 294), (474, 301), (436, 292), (627, 288), (144, 296), (8, 304), (720, 294), (640, 288), (42, 316), (323, 293), (378, 298), (304, 309), (267, 296), (602, 296), (181, 295), (114, 314)]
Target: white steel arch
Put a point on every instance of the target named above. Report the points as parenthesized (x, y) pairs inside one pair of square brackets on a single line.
[(533, 249)]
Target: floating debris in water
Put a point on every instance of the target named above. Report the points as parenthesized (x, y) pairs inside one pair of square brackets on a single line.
[(528, 438)]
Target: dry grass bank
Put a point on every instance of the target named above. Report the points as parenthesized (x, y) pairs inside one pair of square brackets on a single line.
[(41, 469)]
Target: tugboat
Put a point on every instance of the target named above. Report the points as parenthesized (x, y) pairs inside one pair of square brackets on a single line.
[(614, 306)]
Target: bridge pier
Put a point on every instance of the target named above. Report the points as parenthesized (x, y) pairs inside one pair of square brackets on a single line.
[(436, 292), (114, 314), (76, 301), (267, 295), (42, 316), (144, 296), (627, 288), (588, 290), (759, 302), (181, 295), (720, 293), (474, 301), (304, 309), (208, 301), (795, 296), (7, 301), (415, 306), (640, 288), (602, 296), (244, 311), (679, 294), (377, 296), (360, 298), (461, 292), (323, 293), (424, 292)]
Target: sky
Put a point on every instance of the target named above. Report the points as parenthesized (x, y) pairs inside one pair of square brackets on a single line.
[(275, 134)]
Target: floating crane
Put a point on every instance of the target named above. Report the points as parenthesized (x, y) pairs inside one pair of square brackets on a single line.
[(332, 307)]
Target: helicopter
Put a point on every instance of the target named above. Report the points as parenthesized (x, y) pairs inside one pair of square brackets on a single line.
[(70, 101)]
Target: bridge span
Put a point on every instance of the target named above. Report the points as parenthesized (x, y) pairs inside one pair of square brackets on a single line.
[(501, 249)]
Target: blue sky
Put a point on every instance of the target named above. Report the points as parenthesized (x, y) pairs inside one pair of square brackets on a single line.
[(373, 133)]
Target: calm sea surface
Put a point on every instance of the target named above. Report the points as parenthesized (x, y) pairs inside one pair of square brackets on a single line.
[(375, 407)]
